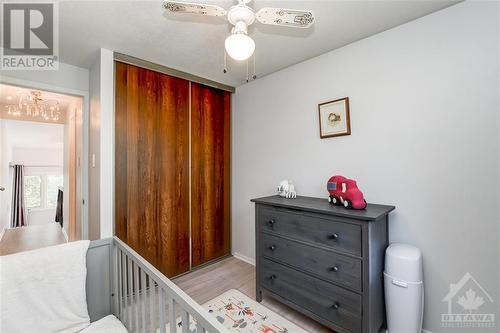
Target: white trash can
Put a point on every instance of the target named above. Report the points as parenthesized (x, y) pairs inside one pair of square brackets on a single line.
[(404, 289)]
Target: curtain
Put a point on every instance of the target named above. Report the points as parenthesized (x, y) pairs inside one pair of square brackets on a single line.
[(59, 208), (19, 217)]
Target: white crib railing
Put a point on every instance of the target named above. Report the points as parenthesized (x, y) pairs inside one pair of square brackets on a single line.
[(147, 301)]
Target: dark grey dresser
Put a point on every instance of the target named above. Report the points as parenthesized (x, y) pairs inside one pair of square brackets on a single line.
[(325, 261)]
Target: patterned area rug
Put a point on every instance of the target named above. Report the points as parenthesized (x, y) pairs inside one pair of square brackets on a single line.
[(239, 313)]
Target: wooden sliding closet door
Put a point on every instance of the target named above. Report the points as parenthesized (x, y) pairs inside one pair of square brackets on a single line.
[(152, 163), (172, 157), (210, 173)]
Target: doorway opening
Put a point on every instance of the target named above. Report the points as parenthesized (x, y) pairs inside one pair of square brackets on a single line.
[(40, 163)]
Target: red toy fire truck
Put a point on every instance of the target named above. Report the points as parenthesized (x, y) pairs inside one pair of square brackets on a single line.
[(344, 191)]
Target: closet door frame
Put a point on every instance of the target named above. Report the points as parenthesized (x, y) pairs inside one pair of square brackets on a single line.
[(126, 59), (192, 79)]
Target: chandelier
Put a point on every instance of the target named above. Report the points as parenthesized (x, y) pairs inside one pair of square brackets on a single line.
[(35, 107)]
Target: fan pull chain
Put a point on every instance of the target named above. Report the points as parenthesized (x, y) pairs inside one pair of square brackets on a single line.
[(225, 62), (254, 67), (254, 76)]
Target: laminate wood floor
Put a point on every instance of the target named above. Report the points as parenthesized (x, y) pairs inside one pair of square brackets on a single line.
[(31, 238), (209, 282)]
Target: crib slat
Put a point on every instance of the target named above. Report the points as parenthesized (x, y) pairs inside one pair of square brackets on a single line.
[(124, 288), (141, 278), (152, 307), (162, 311), (130, 293), (171, 314), (136, 298), (119, 278), (143, 301), (185, 321), (200, 329), (115, 294)]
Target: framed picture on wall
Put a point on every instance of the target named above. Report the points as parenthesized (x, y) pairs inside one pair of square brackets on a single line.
[(334, 118)]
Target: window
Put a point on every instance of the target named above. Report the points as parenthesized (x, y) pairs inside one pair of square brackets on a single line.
[(40, 190), (33, 191), (53, 183)]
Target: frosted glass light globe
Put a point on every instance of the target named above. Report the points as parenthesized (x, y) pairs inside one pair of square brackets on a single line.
[(239, 46)]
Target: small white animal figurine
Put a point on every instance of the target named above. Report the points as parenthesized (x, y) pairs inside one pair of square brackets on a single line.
[(287, 190)]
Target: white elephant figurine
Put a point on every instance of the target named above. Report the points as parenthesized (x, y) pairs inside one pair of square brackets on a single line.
[(287, 190)]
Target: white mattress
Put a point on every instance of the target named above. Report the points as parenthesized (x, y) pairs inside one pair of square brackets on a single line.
[(108, 324)]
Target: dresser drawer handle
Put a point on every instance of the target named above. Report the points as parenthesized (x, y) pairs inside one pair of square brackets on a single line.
[(272, 247), (335, 268), (272, 277), (334, 236), (271, 223), (336, 305)]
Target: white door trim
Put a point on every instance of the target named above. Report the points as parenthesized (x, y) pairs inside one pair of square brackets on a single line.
[(85, 129)]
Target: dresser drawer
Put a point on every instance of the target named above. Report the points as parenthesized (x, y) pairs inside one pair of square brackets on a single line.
[(326, 264), (332, 303), (325, 231)]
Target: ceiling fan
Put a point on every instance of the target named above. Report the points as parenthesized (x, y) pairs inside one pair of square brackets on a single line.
[(239, 45)]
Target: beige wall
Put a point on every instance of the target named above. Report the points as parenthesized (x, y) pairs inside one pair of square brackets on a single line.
[(73, 170)]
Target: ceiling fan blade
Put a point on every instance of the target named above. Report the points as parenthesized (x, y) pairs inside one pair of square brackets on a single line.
[(285, 17), (193, 8)]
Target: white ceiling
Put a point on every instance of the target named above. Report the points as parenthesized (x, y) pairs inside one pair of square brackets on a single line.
[(27, 134), (195, 44)]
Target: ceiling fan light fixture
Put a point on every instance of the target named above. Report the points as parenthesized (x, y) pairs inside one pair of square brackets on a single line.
[(239, 46)]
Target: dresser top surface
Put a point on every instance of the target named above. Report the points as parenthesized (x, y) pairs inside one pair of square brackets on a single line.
[(322, 206)]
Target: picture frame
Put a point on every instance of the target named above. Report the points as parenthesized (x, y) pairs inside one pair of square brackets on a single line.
[(334, 118)]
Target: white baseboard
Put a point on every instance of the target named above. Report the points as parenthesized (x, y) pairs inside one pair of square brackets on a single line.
[(244, 258)]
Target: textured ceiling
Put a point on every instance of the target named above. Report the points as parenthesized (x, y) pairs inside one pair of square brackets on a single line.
[(195, 44)]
